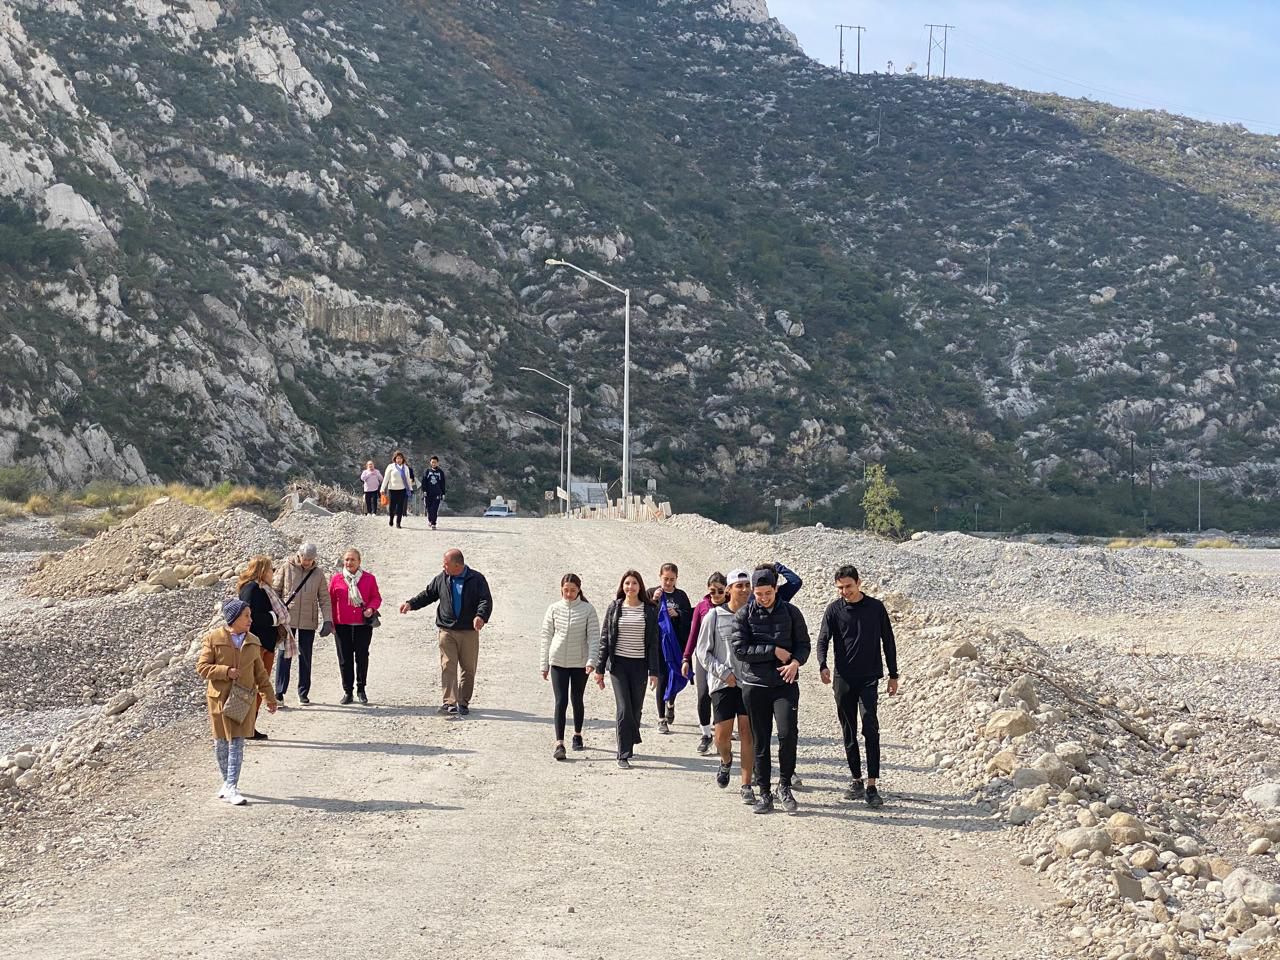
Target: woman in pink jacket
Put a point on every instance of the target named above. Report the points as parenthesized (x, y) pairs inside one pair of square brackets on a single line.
[(355, 598)]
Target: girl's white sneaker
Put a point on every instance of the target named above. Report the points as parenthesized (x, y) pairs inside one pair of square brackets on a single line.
[(222, 792), (233, 797)]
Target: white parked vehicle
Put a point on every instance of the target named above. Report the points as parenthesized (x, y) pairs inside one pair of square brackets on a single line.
[(500, 510)]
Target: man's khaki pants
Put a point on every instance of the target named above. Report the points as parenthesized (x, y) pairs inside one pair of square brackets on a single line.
[(458, 649)]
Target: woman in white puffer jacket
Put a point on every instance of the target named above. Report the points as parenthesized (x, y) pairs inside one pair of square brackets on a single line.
[(569, 628)]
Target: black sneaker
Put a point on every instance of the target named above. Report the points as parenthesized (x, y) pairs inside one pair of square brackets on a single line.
[(662, 727), (671, 713), (362, 697), (722, 775), (463, 709), (443, 709), (259, 735), (856, 791), (748, 795), (451, 708), (559, 753), (577, 742), (787, 799), (624, 763), (874, 800), (704, 745), (346, 698), (304, 700), (764, 804)]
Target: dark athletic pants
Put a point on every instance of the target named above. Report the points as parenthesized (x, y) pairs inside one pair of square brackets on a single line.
[(353, 653), (399, 500), (766, 706), (306, 643), (370, 502), (433, 511), (856, 699), (568, 683), (704, 698), (628, 676)]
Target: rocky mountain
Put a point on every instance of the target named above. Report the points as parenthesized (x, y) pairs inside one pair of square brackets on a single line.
[(247, 239)]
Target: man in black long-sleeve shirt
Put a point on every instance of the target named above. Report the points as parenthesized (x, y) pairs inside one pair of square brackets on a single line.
[(861, 629)]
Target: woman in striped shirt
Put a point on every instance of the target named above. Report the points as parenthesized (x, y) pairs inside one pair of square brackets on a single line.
[(628, 651)]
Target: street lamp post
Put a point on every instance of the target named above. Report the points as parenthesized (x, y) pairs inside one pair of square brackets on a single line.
[(560, 427), (568, 469), (626, 373)]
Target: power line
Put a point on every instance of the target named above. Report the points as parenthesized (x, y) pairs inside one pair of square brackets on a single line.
[(842, 27), (946, 28), (1063, 78)]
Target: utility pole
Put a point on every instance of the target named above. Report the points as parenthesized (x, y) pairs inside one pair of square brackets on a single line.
[(940, 45), (1199, 514), (842, 27)]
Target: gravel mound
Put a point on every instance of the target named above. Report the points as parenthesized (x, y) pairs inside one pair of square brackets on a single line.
[(165, 545)]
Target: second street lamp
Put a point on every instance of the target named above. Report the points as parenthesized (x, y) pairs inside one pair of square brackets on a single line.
[(568, 490), (626, 373), (560, 427)]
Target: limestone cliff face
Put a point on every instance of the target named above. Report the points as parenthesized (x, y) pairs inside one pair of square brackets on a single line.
[(246, 238)]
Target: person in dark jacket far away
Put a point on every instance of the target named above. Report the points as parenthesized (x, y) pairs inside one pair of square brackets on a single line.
[(465, 606), (680, 611), (861, 629), (433, 490), (771, 643)]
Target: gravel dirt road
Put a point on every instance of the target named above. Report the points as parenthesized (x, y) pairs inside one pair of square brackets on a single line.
[(389, 831)]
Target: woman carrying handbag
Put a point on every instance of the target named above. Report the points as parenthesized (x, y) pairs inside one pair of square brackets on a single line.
[(230, 662), (354, 597)]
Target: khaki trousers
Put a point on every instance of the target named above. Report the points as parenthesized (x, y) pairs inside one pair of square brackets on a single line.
[(458, 649)]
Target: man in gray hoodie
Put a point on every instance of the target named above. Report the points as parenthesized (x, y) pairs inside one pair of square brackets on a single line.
[(714, 651)]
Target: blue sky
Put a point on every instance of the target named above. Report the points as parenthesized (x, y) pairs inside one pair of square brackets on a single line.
[(1212, 60)]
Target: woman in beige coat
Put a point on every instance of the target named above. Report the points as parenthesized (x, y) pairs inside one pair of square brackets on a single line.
[(229, 655), (305, 591)]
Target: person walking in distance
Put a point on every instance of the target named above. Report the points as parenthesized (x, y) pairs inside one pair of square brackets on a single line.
[(397, 484), (433, 490), (680, 610), (371, 480), (691, 667), (628, 651), (770, 644), (714, 652), (306, 597), (355, 600), (230, 655), (862, 631), (569, 629), (465, 605)]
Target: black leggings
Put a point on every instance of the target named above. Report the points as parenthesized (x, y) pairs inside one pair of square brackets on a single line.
[(568, 683), (395, 511), (704, 698), (370, 502), (765, 706), (854, 701), (353, 653)]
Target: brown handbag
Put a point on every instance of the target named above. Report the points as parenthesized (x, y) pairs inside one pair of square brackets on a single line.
[(240, 700)]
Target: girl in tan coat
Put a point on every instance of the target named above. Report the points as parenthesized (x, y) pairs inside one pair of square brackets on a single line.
[(228, 655)]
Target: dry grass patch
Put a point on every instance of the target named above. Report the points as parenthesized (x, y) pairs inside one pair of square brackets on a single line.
[(1153, 543)]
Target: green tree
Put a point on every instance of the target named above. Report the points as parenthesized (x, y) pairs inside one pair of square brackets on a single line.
[(877, 503)]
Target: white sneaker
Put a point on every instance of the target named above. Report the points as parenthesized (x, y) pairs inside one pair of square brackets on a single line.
[(222, 792), (233, 797)]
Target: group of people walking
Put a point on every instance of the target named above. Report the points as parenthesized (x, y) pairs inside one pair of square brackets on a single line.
[(744, 645), (395, 487)]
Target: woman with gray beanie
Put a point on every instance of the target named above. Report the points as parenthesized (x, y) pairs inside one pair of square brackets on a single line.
[(231, 656), (305, 591)]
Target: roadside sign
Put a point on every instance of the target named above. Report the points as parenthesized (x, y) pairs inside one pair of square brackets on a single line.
[(777, 502), (549, 495), (561, 494)]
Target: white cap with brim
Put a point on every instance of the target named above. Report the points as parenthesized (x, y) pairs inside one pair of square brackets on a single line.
[(739, 576)]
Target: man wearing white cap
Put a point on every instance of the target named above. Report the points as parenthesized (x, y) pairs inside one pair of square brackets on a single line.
[(714, 651)]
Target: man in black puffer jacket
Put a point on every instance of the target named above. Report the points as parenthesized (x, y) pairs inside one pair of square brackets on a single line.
[(465, 606), (771, 642)]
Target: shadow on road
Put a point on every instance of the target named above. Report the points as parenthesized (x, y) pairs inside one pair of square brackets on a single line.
[(338, 805), (395, 749)]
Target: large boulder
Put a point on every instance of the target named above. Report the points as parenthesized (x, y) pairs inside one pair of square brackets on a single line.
[(1261, 896), (1074, 754), (1071, 842), (1264, 795), (1022, 690), (1054, 768), (1008, 723), (1125, 829)]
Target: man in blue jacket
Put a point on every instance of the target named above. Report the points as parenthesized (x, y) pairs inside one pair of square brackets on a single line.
[(464, 607), (771, 643)]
